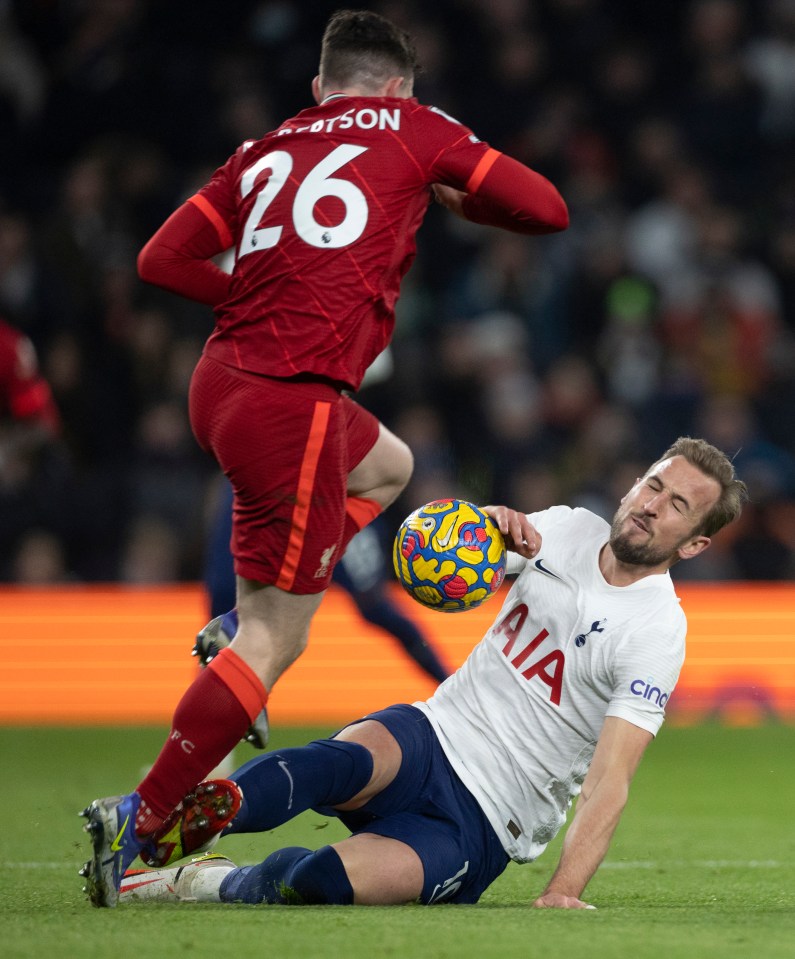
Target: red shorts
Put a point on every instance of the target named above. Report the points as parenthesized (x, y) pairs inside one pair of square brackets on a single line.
[(287, 449)]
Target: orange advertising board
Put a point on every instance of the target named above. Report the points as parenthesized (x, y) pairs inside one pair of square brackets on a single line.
[(120, 655)]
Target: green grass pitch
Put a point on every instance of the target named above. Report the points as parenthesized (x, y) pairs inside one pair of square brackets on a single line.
[(702, 865)]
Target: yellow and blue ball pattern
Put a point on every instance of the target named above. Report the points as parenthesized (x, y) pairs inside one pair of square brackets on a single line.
[(449, 555)]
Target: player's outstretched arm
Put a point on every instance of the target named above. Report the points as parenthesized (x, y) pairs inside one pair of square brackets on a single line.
[(604, 795), (510, 196), (179, 257), (518, 532)]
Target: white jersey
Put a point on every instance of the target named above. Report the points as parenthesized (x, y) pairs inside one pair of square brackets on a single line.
[(520, 719)]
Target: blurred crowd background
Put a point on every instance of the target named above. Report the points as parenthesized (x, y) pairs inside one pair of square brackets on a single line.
[(530, 371)]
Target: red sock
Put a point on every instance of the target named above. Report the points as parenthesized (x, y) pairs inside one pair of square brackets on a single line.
[(359, 511), (209, 721)]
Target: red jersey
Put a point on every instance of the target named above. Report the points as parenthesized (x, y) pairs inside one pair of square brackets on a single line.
[(24, 395), (322, 215)]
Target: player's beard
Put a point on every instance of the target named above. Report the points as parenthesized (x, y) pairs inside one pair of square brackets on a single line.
[(637, 554)]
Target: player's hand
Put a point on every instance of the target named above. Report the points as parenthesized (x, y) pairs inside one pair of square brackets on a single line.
[(556, 900), (450, 198), (518, 532)]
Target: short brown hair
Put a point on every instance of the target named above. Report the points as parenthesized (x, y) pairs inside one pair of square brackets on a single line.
[(717, 465), (363, 48)]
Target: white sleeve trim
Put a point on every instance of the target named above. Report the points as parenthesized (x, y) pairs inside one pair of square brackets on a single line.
[(650, 723)]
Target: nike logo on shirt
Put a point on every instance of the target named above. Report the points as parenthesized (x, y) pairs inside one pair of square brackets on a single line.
[(542, 569)]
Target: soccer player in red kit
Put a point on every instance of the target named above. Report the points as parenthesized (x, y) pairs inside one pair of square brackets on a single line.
[(28, 416), (321, 214)]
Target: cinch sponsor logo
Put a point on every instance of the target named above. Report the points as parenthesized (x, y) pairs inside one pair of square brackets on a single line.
[(645, 689)]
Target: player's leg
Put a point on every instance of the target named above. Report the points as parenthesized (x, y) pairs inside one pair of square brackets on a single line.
[(337, 775), (381, 871), (427, 838), (379, 467), (227, 696), (284, 448), (445, 852), (221, 587), (273, 627), (266, 791), (435, 860), (382, 474), (217, 635), (210, 718), (344, 772), (363, 870)]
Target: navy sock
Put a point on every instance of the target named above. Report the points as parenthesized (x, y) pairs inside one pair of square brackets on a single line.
[(280, 785), (294, 876), (262, 883)]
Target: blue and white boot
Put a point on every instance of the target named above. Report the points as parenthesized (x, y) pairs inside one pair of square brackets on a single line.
[(111, 825)]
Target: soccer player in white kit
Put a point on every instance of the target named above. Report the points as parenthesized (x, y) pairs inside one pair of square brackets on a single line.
[(560, 699)]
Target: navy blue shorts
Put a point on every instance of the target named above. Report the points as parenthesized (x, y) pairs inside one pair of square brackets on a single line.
[(428, 808)]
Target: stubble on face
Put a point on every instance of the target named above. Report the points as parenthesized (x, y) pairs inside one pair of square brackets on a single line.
[(643, 553), (632, 553)]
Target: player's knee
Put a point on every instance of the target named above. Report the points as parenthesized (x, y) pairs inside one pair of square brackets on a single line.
[(347, 768), (403, 465), (397, 465), (318, 879)]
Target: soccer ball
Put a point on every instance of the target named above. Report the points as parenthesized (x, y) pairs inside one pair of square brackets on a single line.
[(449, 555)]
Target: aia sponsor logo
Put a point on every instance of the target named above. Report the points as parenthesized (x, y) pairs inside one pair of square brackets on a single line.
[(532, 658)]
